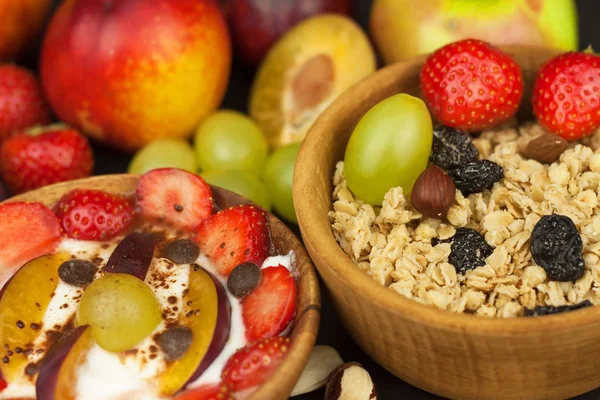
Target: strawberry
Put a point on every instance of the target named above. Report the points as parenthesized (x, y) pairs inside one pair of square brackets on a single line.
[(269, 309), (471, 85), (206, 392), (174, 196), (253, 364), (566, 95), (28, 230), (21, 101), (93, 214), (234, 236), (44, 156), (3, 384)]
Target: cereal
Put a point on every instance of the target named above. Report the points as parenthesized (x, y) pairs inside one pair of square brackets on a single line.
[(393, 244)]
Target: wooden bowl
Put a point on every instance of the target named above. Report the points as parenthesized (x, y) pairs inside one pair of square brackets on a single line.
[(306, 322), (452, 355)]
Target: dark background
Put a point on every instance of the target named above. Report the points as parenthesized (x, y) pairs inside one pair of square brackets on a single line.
[(331, 333)]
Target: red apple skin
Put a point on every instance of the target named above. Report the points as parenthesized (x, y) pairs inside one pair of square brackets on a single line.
[(257, 24), (130, 71), (20, 23)]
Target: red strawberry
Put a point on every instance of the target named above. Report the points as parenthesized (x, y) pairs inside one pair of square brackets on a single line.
[(3, 384), (234, 236), (471, 85), (93, 214), (269, 309), (253, 364), (206, 392), (566, 95), (28, 230), (21, 101), (174, 196), (44, 156)]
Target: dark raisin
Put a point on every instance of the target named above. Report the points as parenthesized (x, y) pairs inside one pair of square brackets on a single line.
[(244, 279), (452, 148), (174, 342), (476, 176), (78, 273), (545, 310), (556, 246), (468, 249), (181, 251)]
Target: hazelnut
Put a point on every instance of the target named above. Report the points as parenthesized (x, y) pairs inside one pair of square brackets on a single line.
[(546, 148), (350, 381), (433, 193)]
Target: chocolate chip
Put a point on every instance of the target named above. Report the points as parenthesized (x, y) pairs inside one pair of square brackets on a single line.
[(31, 369), (181, 251), (244, 279), (174, 342), (77, 272)]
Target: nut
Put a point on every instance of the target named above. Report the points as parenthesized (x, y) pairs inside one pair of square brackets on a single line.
[(546, 148), (433, 193), (322, 361), (350, 381)]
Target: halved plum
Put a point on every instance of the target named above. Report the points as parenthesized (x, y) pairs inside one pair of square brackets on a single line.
[(132, 256), (23, 303), (208, 316)]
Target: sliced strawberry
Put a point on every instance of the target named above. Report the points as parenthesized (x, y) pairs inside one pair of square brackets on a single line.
[(94, 214), (28, 230), (268, 310), (217, 391), (234, 236), (174, 196), (253, 364)]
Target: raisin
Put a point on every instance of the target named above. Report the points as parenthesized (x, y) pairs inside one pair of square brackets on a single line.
[(468, 249), (476, 176), (556, 246), (452, 148), (545, 310)]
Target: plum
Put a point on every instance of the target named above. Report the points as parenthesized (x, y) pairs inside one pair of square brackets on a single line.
[(132, 256), (257, 24)]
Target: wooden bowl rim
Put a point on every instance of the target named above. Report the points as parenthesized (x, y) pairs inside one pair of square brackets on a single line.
[(317, 234), (306, 322)]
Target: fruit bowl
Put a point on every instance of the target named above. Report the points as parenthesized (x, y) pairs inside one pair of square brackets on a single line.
[(452, 355), (306, 323)]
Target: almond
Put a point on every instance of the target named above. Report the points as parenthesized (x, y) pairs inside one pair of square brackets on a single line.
[(546, 148), (350, 381), (433, 193)]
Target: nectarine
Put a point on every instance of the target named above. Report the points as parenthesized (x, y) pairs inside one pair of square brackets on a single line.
[(130, 71)]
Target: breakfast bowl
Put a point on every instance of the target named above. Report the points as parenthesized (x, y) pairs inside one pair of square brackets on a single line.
[(301, 329), (454, 355)]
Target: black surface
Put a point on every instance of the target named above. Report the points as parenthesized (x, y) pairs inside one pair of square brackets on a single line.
[(389, 387)]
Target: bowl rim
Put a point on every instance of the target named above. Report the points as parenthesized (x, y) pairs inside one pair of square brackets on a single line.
[(281, 382), (318, 237)]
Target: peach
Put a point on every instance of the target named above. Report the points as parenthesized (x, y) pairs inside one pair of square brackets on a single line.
[(304, 72), (20, 23), (130, 71)]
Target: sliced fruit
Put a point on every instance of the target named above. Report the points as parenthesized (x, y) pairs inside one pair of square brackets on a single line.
[(279, 173), (164, 153), (121, 310), (234, 236), (208, 316), (23, 302), (218, 391), (58, 369), (253, 364), (174, 196), (241, 182), (93, 214), (132, 256), (229, 140), (28, 230), (269, 309), (3, 385), (304, 72)]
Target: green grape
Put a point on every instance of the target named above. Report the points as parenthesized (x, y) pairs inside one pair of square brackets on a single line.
[(164, 153), (229, 140), (121, 310), (278, 176), (389, 147), (241, 182)]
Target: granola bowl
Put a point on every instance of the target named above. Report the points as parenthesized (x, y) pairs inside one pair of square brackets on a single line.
[(469, 354)]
